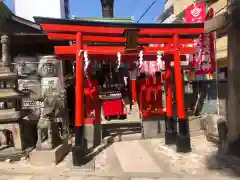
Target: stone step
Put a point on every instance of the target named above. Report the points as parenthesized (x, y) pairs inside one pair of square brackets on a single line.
[(7, 94), (194, 124), (122, 137), (4, 69), (131, 156), (7, 75), (7, 115), (121, 122), (150, 128), (124, 131)]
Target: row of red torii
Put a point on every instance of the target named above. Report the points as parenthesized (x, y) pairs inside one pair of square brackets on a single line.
[(101, 40)]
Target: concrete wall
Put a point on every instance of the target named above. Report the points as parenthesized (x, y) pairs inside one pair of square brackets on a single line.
[(221, 48), (221, 43)]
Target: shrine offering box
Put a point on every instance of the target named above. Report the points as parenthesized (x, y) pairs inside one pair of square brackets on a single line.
[(112, 105)]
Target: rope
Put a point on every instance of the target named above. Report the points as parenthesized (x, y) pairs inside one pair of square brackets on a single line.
[(128, 54), (80, 51), (119, 59), (86, 61), (140, 59)]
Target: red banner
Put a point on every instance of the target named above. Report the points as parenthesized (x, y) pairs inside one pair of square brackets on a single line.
[(195, 13), (204, 59)]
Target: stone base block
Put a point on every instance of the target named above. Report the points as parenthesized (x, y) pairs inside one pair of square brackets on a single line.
[(152, 128), (49, 157), (93, 134), (79, 155), (170, 137), (183, 144), (89, 134)]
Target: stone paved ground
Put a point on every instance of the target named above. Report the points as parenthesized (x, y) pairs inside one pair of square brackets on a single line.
[(135, 160)]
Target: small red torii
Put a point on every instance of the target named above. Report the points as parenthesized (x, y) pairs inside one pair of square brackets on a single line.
[(171, 35), (151, 97)]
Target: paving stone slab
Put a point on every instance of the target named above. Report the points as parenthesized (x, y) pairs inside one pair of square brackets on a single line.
[(20, 177), (134, 158), (75, 178), (117, 178), (41, 177), (60, 178), (23, 177), (142, 179), (199, 164), (96, 178)]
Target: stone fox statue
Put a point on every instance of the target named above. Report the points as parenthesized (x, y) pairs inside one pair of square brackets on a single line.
[(54, 109)]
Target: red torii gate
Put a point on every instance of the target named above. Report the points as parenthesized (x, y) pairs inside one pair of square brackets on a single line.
[(175, 38)]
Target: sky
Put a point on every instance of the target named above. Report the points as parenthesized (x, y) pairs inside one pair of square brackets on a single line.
[(123, 8)]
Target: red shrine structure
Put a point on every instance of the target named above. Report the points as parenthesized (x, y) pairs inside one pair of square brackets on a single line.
[(131, 44)]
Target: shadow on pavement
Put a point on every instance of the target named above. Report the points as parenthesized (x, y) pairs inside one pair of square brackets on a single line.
[(226, 161), (93, 153)]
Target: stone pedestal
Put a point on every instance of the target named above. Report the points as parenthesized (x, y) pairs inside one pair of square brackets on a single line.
[(49, 157), (216, 128), (89, 134)]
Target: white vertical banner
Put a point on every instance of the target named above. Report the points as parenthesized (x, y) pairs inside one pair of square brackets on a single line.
[(133, 74)]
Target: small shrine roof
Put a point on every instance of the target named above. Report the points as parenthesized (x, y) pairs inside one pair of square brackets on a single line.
[(44, 20), (12, 24), (102, 19)]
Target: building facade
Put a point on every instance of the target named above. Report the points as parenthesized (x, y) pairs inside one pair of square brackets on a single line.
[(44, 8), (174, 12)]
